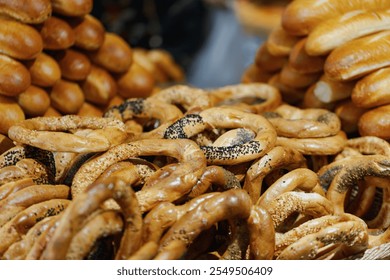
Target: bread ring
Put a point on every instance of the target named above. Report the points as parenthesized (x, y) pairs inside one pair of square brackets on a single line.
[(254, 74), (376, 122), (290, 121), (293, 78), (226, 205), (31, 12), (372, 90), (330, 145), (26, 168), (300, 178), (336, 31), (351, 170), (22, 199), (192, 124), (215, 175), (96, 194), (259, 96), (18, 226), (311, 204), (349, 115), (14, 186), (261, 234), (358, 57), (351, 233), (191, 166), (369, 145), (289, 94), (100, 225), (283, 240), (302, 62), (19, 250), (147, 109), (191, 99), (278, 157), (44, 133), (301, 16)]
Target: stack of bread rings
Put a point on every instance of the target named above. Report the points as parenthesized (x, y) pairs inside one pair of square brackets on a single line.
[(57, 59), (334, 55), (256, 170)]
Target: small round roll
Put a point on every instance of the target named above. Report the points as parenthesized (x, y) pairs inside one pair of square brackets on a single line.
[(89, 32), (349, 115), (74, 65), (376, 122), (10, 114), (115, 55), (34, 101), (56, 34), (67, 97), (44, 70), (280, 43), (72, 8), (268, 62), (14, 76), (373, 90), (302, 62)]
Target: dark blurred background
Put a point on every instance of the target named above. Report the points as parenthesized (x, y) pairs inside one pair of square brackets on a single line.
[(203, 36)]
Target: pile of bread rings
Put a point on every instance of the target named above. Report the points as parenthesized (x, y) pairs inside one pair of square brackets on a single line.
[(238, 172), (57, 59), (334, 55), (227, 173)]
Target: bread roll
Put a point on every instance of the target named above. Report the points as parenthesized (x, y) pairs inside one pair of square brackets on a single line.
[(301, 16), (349, 115), (34, 101), (66, 97), (304, 63), (10, 114), (115, 55), (56, 34), (136, 82), (280, 43), (19, 40), (376, 122), (165, 62), (334, 32), (33, 12), (89, 110), (311, 101), (89, 32), (44, 70), (265, 60), (373, 90), (72, 7), (99, 86), (51, 112), (14, 76), (328, 90), (254, 74), (74, 65), (359, 57), (292, 78)]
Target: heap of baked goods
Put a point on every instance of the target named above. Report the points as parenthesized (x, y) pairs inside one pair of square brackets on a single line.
[(57, 59), (334, 55), (234, 172)]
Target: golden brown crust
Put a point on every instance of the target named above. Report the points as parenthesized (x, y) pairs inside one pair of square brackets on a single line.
[(56, 34), (376, 122), (31, 12), (34, 101), (349, 115), (19, 40), (44, 70), (72, 7), (14, 76), (74, 65), (10, 114), (88, 31), (302, 62), (115, 55), (66, 97), (358, 57), (280, 43)]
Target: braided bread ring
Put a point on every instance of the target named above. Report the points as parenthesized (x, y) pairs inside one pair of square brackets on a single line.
[(192, 124), (105, 133)]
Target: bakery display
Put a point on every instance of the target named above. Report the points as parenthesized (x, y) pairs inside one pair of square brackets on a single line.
[(104, 155)]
